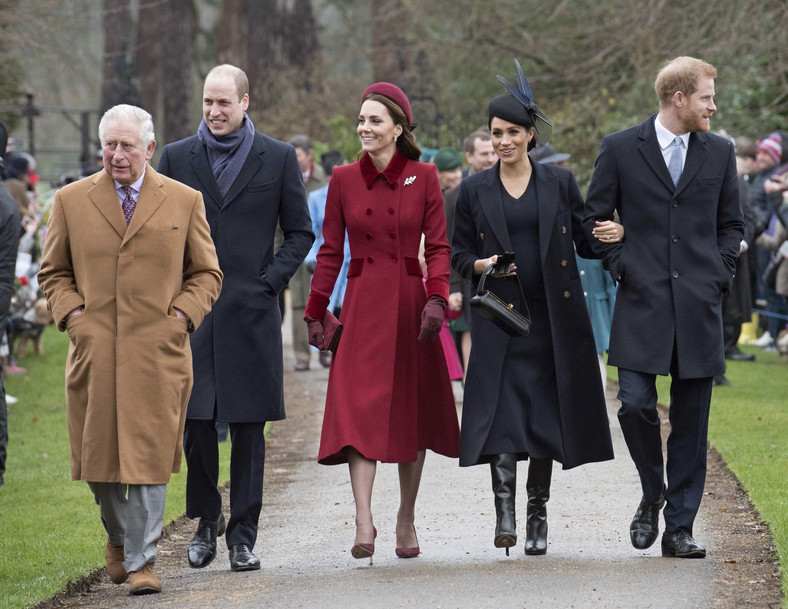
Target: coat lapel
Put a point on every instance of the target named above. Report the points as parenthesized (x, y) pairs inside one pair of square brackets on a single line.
[(492, 207), (649, 148), (252, 165), (547, 201), (105, 198), (151, 197), (696, 154), (202, 169)]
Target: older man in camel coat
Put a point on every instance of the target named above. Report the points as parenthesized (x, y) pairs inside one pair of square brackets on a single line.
[(129, 269)]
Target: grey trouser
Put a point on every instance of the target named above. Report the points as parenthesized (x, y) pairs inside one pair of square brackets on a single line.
[(133, 521)]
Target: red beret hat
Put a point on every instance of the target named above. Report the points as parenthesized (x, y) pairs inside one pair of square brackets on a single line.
[(394, 93)]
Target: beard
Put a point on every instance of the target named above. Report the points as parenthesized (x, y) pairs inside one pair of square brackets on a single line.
[(692, 122)]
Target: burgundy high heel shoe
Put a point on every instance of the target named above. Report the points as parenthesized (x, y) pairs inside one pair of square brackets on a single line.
[(409, 552), (364, 550)]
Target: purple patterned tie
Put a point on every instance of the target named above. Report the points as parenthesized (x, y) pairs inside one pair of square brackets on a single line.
[(128, 204)]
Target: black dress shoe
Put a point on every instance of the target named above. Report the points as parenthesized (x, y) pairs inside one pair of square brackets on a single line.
[(720, 380), (242, 558), (739, 356), (202, 547), (644, 528), (681, 545)]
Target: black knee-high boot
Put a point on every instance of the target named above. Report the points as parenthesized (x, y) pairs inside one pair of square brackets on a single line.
[(538, 487), (504, 484)]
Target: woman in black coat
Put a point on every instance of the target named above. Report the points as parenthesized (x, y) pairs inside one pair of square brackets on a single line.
[(538, 397)]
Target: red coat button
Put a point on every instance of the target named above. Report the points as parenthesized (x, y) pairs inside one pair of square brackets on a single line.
[(369, 211)]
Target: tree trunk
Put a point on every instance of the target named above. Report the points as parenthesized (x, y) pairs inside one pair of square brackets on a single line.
[(118, 70), (263, 52), (178, 24), (148, 56), (233, 33)]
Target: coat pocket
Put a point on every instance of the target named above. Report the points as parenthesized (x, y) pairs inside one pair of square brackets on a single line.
[(412, 266), (354, 267)]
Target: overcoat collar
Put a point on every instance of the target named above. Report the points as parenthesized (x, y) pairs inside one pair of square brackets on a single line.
[(202, 169), (546, 198), (391, 173), (649, 148), (105, 198)]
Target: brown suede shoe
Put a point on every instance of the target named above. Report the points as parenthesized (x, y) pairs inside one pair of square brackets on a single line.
[(115, 556), (144, 581)]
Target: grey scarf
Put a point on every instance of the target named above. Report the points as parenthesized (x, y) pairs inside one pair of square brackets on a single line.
[(227, 153)]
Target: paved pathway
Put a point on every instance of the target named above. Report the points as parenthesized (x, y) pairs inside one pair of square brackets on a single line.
[(307, 529)]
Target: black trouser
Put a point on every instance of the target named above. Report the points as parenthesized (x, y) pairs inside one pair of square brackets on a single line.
[(247, 464), (3, 427), (686, 446)]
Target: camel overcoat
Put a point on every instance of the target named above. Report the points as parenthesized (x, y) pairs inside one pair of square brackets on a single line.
[(129, 368)]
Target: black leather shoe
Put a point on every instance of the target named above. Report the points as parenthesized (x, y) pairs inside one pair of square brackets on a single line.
[(242, 558), (739, 356), (644, 528), (720, 380), (681, 545), (202, 547)]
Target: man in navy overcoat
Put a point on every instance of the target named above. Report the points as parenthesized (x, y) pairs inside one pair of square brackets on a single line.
[(674, 187), (249, 182)]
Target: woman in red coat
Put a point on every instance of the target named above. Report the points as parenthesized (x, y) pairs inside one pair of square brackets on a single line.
[(389, 397)]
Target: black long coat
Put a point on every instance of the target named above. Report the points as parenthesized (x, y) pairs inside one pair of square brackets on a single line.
[(480, 231), (679, 251), (238, 350)]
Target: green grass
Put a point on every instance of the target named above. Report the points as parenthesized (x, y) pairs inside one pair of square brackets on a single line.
[(748, 426), (50, 530)]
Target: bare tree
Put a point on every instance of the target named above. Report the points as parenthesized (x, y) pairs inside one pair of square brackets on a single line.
[(233, 33), (178, 21), (118, 66), (149, 53)]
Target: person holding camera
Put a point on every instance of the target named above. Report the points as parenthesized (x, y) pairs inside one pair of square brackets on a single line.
[(540, 396)]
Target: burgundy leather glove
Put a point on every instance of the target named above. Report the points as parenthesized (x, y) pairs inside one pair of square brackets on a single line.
[(315, 331), (333, 331), (432, 319)]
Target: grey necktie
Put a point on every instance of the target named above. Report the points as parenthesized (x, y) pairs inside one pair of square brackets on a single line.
[(674, 163), (129, 204)]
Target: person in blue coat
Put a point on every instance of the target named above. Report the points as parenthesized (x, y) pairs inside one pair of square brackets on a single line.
[(250, 182)]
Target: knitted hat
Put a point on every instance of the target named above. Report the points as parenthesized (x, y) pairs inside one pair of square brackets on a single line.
[(394, 93), (447, 159), (771, 145)]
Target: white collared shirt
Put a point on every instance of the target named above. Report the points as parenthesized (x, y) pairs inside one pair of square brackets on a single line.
[(135, 189), (665, 139)]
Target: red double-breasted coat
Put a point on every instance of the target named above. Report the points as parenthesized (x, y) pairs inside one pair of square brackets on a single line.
[(389, 396)]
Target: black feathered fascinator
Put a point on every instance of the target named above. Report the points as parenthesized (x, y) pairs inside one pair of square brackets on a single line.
[(522, 93)]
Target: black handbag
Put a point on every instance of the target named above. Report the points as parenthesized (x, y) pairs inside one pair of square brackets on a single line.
[(503, 315)]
